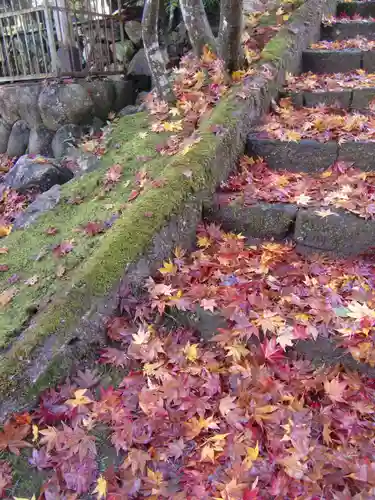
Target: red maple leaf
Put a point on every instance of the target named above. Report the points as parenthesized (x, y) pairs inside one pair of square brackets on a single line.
[(63, 248)]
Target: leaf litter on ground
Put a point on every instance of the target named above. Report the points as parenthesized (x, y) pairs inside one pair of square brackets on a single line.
[(341, 186), (230, 418)]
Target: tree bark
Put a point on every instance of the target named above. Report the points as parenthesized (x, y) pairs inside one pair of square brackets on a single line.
[(231, 27), (197, 25), (155, 56)]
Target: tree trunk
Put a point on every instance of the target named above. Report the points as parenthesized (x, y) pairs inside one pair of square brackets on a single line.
[(155, 56), (231, 27), (197, 25)]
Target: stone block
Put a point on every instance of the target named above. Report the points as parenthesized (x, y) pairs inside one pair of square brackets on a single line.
[(331, 61), (41, 173), (362, 154), (102, 93), (5, 130), (364, 9), (303, 156), (18, 139), (263, 220), (362, 97), (340, 98), (64, 139), (343, 234), (40, 140), (368, 61), (342, 31)]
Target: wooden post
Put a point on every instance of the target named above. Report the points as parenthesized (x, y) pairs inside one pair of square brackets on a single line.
[(50, 36)]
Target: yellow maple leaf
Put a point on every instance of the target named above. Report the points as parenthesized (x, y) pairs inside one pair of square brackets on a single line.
[(79, 399), (157, 477), (203, 242), (237, 351), (24, 498), (172, 126), (251, 455), (101, 488), (293, 136), (191, 352), (208, 454), (238, 75), (5, 230), (168, 268), (208, 56), (35, 433)]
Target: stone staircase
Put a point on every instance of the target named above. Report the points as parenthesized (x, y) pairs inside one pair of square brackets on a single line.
[(316, 230)]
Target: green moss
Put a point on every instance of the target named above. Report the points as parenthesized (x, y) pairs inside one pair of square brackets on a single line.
[(30, 251), (275, 48)]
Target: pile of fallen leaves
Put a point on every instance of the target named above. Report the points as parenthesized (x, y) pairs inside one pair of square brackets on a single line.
[(12, 204), (340, 186), (322, 123), (326, 82), (270, 290), (359, 43), (228, 420)]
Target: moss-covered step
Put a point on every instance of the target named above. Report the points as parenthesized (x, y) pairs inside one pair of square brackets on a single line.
[(350, 29), (337, 61), (309, 155), (362, 8), (356, 99)]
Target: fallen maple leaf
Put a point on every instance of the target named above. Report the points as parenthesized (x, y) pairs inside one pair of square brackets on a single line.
[(63, 248), (79, 399), (12, 437), (94, 228), (335, 389), (5, 230), (7, 296)]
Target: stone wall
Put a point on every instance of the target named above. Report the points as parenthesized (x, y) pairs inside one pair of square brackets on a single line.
[(43, 118)]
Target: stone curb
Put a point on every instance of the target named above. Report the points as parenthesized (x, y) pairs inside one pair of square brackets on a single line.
[(356, 99), (311, 156), (68, 333), (342, 31), (337, 61), (364, 9), (340, 234)]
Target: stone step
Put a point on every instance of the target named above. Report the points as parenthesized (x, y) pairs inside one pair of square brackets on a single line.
[(321, 352), (336, 61), (353, 99), (349, 29), (309, 155), (339, 234), (363, 8)]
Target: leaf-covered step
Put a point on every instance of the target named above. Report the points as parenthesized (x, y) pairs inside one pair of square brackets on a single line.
[(341, 30), (361, 8), (308, 155), (311, 139), (353, 90), (331, 212), (269, 296), (338, 56), (328, 61)]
